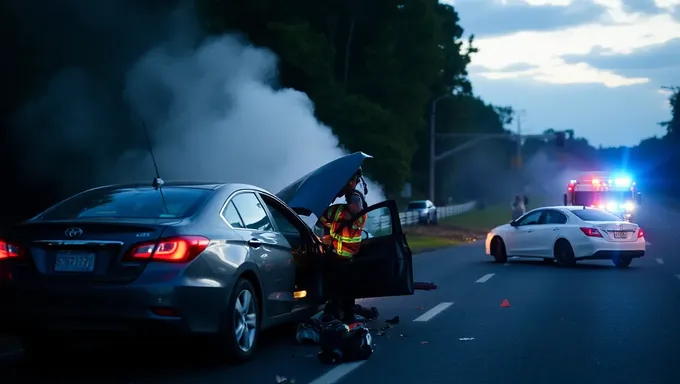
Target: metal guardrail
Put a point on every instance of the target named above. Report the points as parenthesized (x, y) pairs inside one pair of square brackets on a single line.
[(382, 222)]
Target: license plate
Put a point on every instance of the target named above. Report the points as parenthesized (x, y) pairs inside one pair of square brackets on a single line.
[(74, 262), (620, 235)]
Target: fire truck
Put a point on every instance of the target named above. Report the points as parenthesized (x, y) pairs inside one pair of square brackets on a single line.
[(615, 193)]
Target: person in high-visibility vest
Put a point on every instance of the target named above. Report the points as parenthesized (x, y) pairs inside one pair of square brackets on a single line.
[(343, 232)]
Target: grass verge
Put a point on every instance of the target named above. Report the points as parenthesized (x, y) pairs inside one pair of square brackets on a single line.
[(420, 244), (483, 219), (460, 229)]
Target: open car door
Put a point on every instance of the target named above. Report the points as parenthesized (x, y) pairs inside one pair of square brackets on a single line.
[(384, 264)]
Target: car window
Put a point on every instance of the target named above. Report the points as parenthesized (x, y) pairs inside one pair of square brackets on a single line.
[(555, 217), (531, 218), (378, 223), (251, 211), (595, 215), (231, 215), (138, 203), (282, 223)]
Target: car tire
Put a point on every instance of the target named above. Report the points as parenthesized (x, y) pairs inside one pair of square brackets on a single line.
[(564, 254), (240, 331), (435, 221), (498, 250), (622, 262)]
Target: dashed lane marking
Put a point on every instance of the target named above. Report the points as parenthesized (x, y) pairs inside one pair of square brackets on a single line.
[(660, 261), (337, 373), (485, 278), (427, 316)]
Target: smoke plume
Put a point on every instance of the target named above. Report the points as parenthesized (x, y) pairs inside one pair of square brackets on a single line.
[(211, 106)]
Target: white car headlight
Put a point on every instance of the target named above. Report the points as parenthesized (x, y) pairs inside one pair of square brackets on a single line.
[(628, 206), (612, 206)]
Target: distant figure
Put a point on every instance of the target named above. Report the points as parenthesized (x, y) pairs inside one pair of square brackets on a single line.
[(518, 208)]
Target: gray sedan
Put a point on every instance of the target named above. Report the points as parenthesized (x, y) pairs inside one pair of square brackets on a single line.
[(221, 260)]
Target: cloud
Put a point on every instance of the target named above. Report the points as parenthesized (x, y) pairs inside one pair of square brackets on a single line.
[(493, 17), (606, 116), (653, 57), (617, 32)]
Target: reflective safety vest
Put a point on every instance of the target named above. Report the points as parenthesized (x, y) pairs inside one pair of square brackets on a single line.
[(347, 242)]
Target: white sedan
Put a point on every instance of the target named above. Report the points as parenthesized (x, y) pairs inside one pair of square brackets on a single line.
[(567, 234)]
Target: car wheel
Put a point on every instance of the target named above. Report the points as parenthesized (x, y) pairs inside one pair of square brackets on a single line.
[(622, 262), (498, 250), (564, 254), (435, 220), (241, 325)]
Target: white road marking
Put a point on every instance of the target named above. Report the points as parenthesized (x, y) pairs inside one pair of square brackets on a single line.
[(506, 264), (433, 312), (485, 278), (660, 261), (647, 243), (337, 373), (8, 354)]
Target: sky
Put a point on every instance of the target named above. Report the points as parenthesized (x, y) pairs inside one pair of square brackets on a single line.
[(594, 66)]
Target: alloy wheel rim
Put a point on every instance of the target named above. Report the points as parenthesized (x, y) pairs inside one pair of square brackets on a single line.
[(245, 320)]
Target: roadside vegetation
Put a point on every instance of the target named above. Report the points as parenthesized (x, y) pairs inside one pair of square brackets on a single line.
[(460, 229)]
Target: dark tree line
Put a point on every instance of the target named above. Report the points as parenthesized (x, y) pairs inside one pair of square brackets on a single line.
[(372, 69)]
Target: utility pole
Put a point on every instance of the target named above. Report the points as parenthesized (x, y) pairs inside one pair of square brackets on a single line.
[(433, 155)]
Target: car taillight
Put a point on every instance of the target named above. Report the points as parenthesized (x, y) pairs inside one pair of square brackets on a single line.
[(179, 249), (641, 233), (591, 232), (9, 250)]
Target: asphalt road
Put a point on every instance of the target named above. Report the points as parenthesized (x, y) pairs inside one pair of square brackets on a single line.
[(590, 324)]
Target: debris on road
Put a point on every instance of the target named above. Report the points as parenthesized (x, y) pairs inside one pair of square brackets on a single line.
[(308, 332), (341, 343), (284, 380), (420, 286), (466, 338), (424, 343), (393, 321)]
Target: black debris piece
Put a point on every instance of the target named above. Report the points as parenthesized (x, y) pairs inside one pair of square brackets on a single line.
[(420, 286)]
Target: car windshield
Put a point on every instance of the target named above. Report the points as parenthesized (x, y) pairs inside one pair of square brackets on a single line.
[(595, 215), (139, 203), (416, 205)]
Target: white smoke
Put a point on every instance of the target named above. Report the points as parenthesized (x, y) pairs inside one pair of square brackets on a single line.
[(211, 110)]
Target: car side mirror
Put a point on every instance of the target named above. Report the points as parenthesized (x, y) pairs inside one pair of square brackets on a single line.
[(514, 223), (364, 234)]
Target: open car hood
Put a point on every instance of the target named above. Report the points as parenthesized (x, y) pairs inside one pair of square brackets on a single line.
[(315, 191)]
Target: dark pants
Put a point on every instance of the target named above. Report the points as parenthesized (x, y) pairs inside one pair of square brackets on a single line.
[(338, 280)]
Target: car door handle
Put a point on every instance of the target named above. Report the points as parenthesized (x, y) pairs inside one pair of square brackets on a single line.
[(255, 243), (529, 230), (556, 229)]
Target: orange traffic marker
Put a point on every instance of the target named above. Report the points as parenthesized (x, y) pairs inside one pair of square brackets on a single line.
[(505, 303)]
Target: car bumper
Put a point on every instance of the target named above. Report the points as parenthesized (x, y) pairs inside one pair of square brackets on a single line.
[(188, 308), (605, 250)]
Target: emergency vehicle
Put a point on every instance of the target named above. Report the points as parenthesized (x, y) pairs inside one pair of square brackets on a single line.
[(614, 193)]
